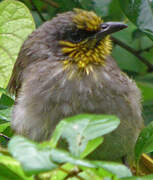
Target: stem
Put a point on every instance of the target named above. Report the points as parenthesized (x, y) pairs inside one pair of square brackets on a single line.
[(37, 10), (134, 52), (146, 49), (6, 137), (51, 3), (70, 173)]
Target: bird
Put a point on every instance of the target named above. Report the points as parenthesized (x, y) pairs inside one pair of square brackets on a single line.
[(65, 68)]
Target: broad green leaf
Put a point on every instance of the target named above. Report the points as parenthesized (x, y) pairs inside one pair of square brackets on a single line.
[(32, 158), (59, 173), (5, 136), (148, 78), (99, 172), (10, 169), (144, 142), (2, 90), (126, 60), (148, 111), (57, 134), (137, 34), (16, 23), (91, 146), (100, 7), (65, 5), (140, 13), (146, 90), (3, 126), (5, 114), (115, 168), (114, 12), (88, 5), (60, 157), (6, 101), (80, 129), (35, 159), (88, 175)]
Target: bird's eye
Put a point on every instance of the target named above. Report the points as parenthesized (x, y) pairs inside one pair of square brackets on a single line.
[(77, 36), (104, 26)]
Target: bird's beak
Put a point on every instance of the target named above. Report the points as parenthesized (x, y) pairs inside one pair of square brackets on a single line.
[(109, 28)]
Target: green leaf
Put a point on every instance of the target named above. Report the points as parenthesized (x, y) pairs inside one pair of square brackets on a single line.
[(144, 142), (57, 134), (59, 174), (145, 78), (80, 129), (60, 157), (5, 114), (100, 7), (148, 111), (126, 60), (148, 177), (115, 168), (88, 175), (140, 13), (114, 12), (2, 90), (3, 126), (36, 158), (6, 101), (146, 90), (137, 34), (91, 146), (11, 169), (32, 158), (88, 5), (16, 23), (66, 5)]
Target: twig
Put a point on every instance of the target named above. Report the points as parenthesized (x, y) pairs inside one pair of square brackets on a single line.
[(134, 52), (71, 173), (146, 49), (6, 137), (51, 3), (36, 9)]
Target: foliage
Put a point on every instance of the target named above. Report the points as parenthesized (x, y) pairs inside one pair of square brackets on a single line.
[(133, 51), (16, 24)]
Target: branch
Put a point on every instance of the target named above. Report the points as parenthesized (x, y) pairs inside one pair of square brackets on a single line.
[(37, 10), (134, 52), (146, 49), (51, 3), (4, 136), (71, 173)]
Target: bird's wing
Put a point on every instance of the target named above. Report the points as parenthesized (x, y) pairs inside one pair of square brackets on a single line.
[(21, 63), (16, 77)]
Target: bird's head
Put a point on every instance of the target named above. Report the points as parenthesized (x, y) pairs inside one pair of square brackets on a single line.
[(83, 38)]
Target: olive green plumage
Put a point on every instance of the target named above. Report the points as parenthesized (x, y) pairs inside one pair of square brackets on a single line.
[(52, 81)]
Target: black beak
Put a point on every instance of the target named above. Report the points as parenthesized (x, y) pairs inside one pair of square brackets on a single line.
[(109, 28)]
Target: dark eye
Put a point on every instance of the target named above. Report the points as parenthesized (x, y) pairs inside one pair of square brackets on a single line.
[(77, 35)]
